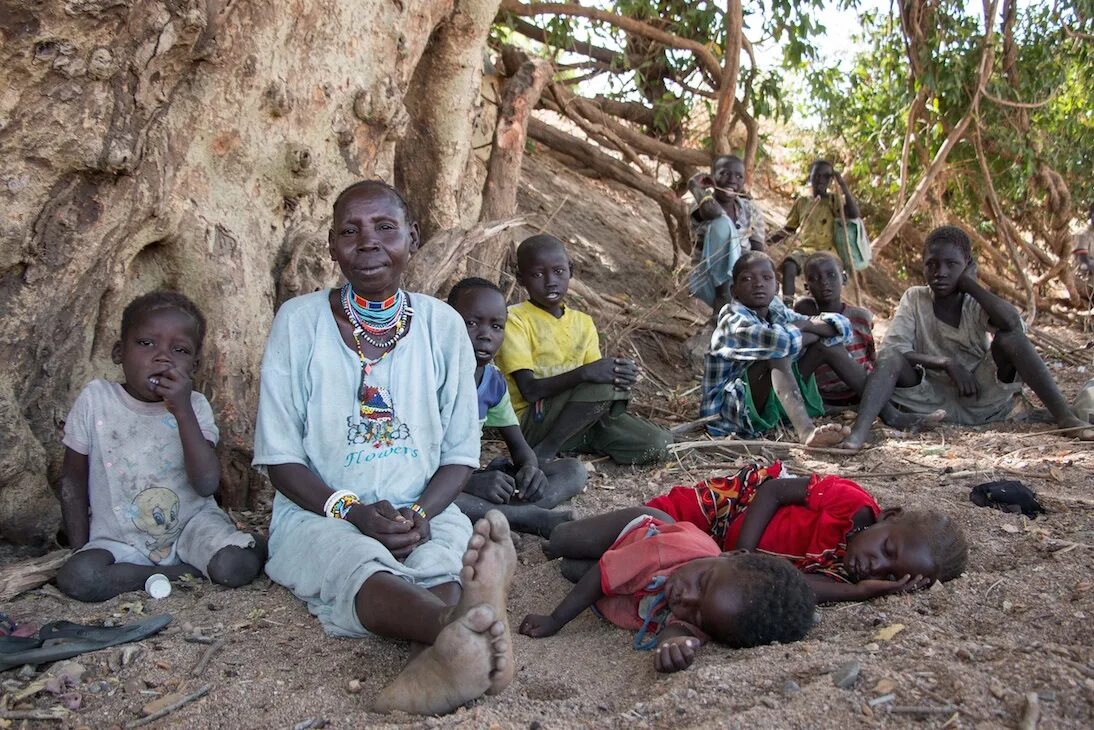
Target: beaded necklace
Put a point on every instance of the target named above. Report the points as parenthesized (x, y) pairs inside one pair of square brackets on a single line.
[(376, 317), (400, 322)]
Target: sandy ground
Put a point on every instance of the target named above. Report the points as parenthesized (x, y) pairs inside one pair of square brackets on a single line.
[(976, 652)]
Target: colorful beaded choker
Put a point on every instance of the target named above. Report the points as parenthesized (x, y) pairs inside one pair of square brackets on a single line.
[(400, 320), (375, 317)]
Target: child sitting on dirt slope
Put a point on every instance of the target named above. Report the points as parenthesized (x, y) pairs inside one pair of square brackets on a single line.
[(522, 489), (140, 471), (937, 353), (567, 396), (824, 279), (829, 527), (813, 217), (726, 222), (671, 583)]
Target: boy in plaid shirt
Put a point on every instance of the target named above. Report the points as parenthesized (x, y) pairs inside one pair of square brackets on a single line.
[(762, 358)]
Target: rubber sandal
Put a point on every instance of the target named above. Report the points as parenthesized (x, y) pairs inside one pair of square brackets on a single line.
[(64, 639)]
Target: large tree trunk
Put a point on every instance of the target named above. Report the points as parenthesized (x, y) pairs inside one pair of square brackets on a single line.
[(433, 157), (524, 81), (195, 145)]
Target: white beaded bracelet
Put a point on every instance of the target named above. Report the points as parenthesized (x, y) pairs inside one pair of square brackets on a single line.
[(334, 499)]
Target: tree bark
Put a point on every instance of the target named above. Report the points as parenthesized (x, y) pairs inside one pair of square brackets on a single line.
[(519, 93), (727, 86), (636, 27), (194, 146), (432, 159), (612, 168)]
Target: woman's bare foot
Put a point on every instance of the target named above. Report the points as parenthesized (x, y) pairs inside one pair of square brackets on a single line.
[(830, 434), (458, 668), (488, 566)]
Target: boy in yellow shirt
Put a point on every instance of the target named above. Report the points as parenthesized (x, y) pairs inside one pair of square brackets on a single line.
[(813, 218), (567, 396)]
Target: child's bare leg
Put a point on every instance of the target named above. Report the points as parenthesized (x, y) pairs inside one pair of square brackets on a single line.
[(589, 538), (1014, 353), (851, 372), (235, 566), (565, 479), (786, 388), (522, 516), (789, 272), (892, 369), (575, 418), (574, 569), (93, 575)]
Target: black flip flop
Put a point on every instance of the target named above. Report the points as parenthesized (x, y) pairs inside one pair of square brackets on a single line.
[(64, 639)]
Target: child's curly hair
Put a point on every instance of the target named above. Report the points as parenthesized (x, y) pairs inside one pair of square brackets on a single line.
[(160, 299), (778, 603), (468, 284), (945, 539), (746, 260), (949, 235)]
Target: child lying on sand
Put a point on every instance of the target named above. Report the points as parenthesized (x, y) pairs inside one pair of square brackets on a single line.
[(671, 583), (829, 527)]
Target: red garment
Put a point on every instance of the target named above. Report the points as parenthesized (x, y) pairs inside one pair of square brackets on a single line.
[(862, 350), (646, 550), (712, 504), (812, 535)]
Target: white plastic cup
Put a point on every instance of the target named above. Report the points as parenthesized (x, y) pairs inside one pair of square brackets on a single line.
[(157, 586)]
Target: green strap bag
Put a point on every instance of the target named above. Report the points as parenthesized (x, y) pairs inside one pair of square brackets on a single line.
[(852, 243)]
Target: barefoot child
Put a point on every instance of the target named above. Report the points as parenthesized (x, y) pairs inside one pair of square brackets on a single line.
[(814, 218), (824, 280), (762, 357), (522, 489), (567, 396), (828, 527), (368, 429), (726, 223), (670, 581), (938, 354), (140, 471)]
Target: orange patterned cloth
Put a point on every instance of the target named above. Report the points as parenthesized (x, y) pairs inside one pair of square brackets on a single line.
[(812, 535)]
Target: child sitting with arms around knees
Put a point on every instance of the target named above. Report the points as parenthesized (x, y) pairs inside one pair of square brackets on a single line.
[(762, 357), (828, 527), (938, 354), (824, 280), (567, 396), (522, 489), (670, 581), (140, 471)]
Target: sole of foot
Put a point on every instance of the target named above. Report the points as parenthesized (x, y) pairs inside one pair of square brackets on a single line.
[(458, 668), (828, 435), (488, 566)]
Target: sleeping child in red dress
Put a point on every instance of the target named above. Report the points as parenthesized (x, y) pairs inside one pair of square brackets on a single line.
[(830, 528), (671, 582)]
